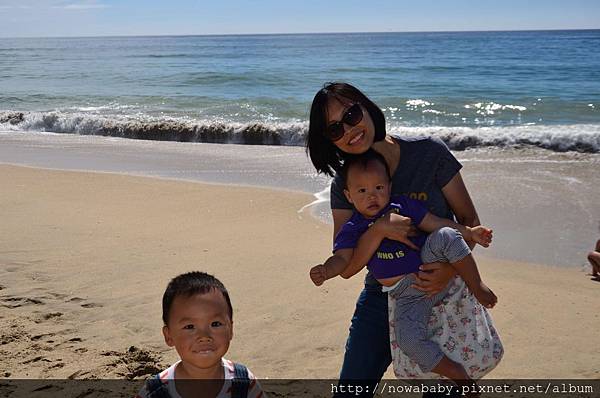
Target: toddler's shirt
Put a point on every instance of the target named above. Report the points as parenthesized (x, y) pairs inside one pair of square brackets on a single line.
[(392, 258), (167, 376)]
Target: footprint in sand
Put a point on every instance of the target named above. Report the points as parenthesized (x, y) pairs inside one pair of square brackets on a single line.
[(40, 336), (59, 296), (47, 317), (36, 359), (91, 305), (84, 305), (75, 300), (16, 302), (68, 343)]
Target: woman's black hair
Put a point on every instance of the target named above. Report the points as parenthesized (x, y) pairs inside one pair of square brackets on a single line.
[(189, 284), (324, 155)]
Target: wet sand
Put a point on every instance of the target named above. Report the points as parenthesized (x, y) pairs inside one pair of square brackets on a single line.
[(541, 204)]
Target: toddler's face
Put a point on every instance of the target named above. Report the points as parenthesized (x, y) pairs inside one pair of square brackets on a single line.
[(200, 329), (368, 189)]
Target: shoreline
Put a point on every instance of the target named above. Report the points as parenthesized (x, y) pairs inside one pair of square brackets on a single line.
[(84, 251), (300, 210), (520, 193)]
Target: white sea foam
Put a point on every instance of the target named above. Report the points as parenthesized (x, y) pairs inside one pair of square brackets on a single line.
[(158, 128), (416, 103), (108, 107), (320, 197), (490, 108), (576, 137), (274, 131)]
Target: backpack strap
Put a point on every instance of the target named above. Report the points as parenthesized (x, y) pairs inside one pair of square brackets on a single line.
[(156, 388), (241, 381)]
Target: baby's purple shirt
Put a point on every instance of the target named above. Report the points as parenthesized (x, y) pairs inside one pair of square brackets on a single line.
[(392, 258)]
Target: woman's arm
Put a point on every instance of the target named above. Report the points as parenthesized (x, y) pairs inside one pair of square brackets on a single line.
[(460, 202), (392, 226), (434, 277)]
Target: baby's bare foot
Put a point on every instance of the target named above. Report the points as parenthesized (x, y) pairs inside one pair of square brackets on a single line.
[(485, 296)]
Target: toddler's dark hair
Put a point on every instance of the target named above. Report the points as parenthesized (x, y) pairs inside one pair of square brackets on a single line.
[(363, 160), (187, 285)]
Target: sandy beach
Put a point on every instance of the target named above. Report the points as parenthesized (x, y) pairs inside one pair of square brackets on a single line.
[(85, 257)]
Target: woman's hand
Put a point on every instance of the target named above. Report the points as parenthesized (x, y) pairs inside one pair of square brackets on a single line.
[(434, 277), (396, 227)]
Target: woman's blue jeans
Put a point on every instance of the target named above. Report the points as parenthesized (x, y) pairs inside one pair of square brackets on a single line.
[(368, 346)]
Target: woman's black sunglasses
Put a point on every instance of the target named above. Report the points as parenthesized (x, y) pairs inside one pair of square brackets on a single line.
[(351, 117)]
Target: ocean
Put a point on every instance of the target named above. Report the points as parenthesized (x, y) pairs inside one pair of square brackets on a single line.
[(539, 88), (521, 110)]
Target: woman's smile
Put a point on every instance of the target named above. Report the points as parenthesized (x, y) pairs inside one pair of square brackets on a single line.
[(357, 138)]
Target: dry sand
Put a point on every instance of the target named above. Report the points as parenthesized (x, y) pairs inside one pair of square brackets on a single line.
[(84, 259)]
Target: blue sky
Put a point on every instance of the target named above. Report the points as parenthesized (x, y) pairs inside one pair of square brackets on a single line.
[(41, 18)]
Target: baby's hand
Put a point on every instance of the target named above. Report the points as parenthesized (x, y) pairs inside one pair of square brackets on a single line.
[(318, 274), (482, 235)]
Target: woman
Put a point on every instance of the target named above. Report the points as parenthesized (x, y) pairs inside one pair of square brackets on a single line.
[(344, 121)]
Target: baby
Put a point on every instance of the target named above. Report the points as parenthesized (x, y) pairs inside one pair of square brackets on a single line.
[(394, 264), (198, 322)]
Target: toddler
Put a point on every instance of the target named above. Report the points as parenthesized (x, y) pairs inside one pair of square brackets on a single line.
[(198, 322)]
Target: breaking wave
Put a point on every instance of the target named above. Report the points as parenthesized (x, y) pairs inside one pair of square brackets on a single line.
[(559, 138), (158, 129)]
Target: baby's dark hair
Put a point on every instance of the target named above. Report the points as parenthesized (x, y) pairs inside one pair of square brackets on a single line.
[(189, 284), (363, 160)]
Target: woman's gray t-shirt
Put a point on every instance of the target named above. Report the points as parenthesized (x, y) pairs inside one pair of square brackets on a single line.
[(426, 166)]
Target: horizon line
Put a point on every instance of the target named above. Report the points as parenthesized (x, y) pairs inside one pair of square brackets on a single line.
[(299, 33)]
